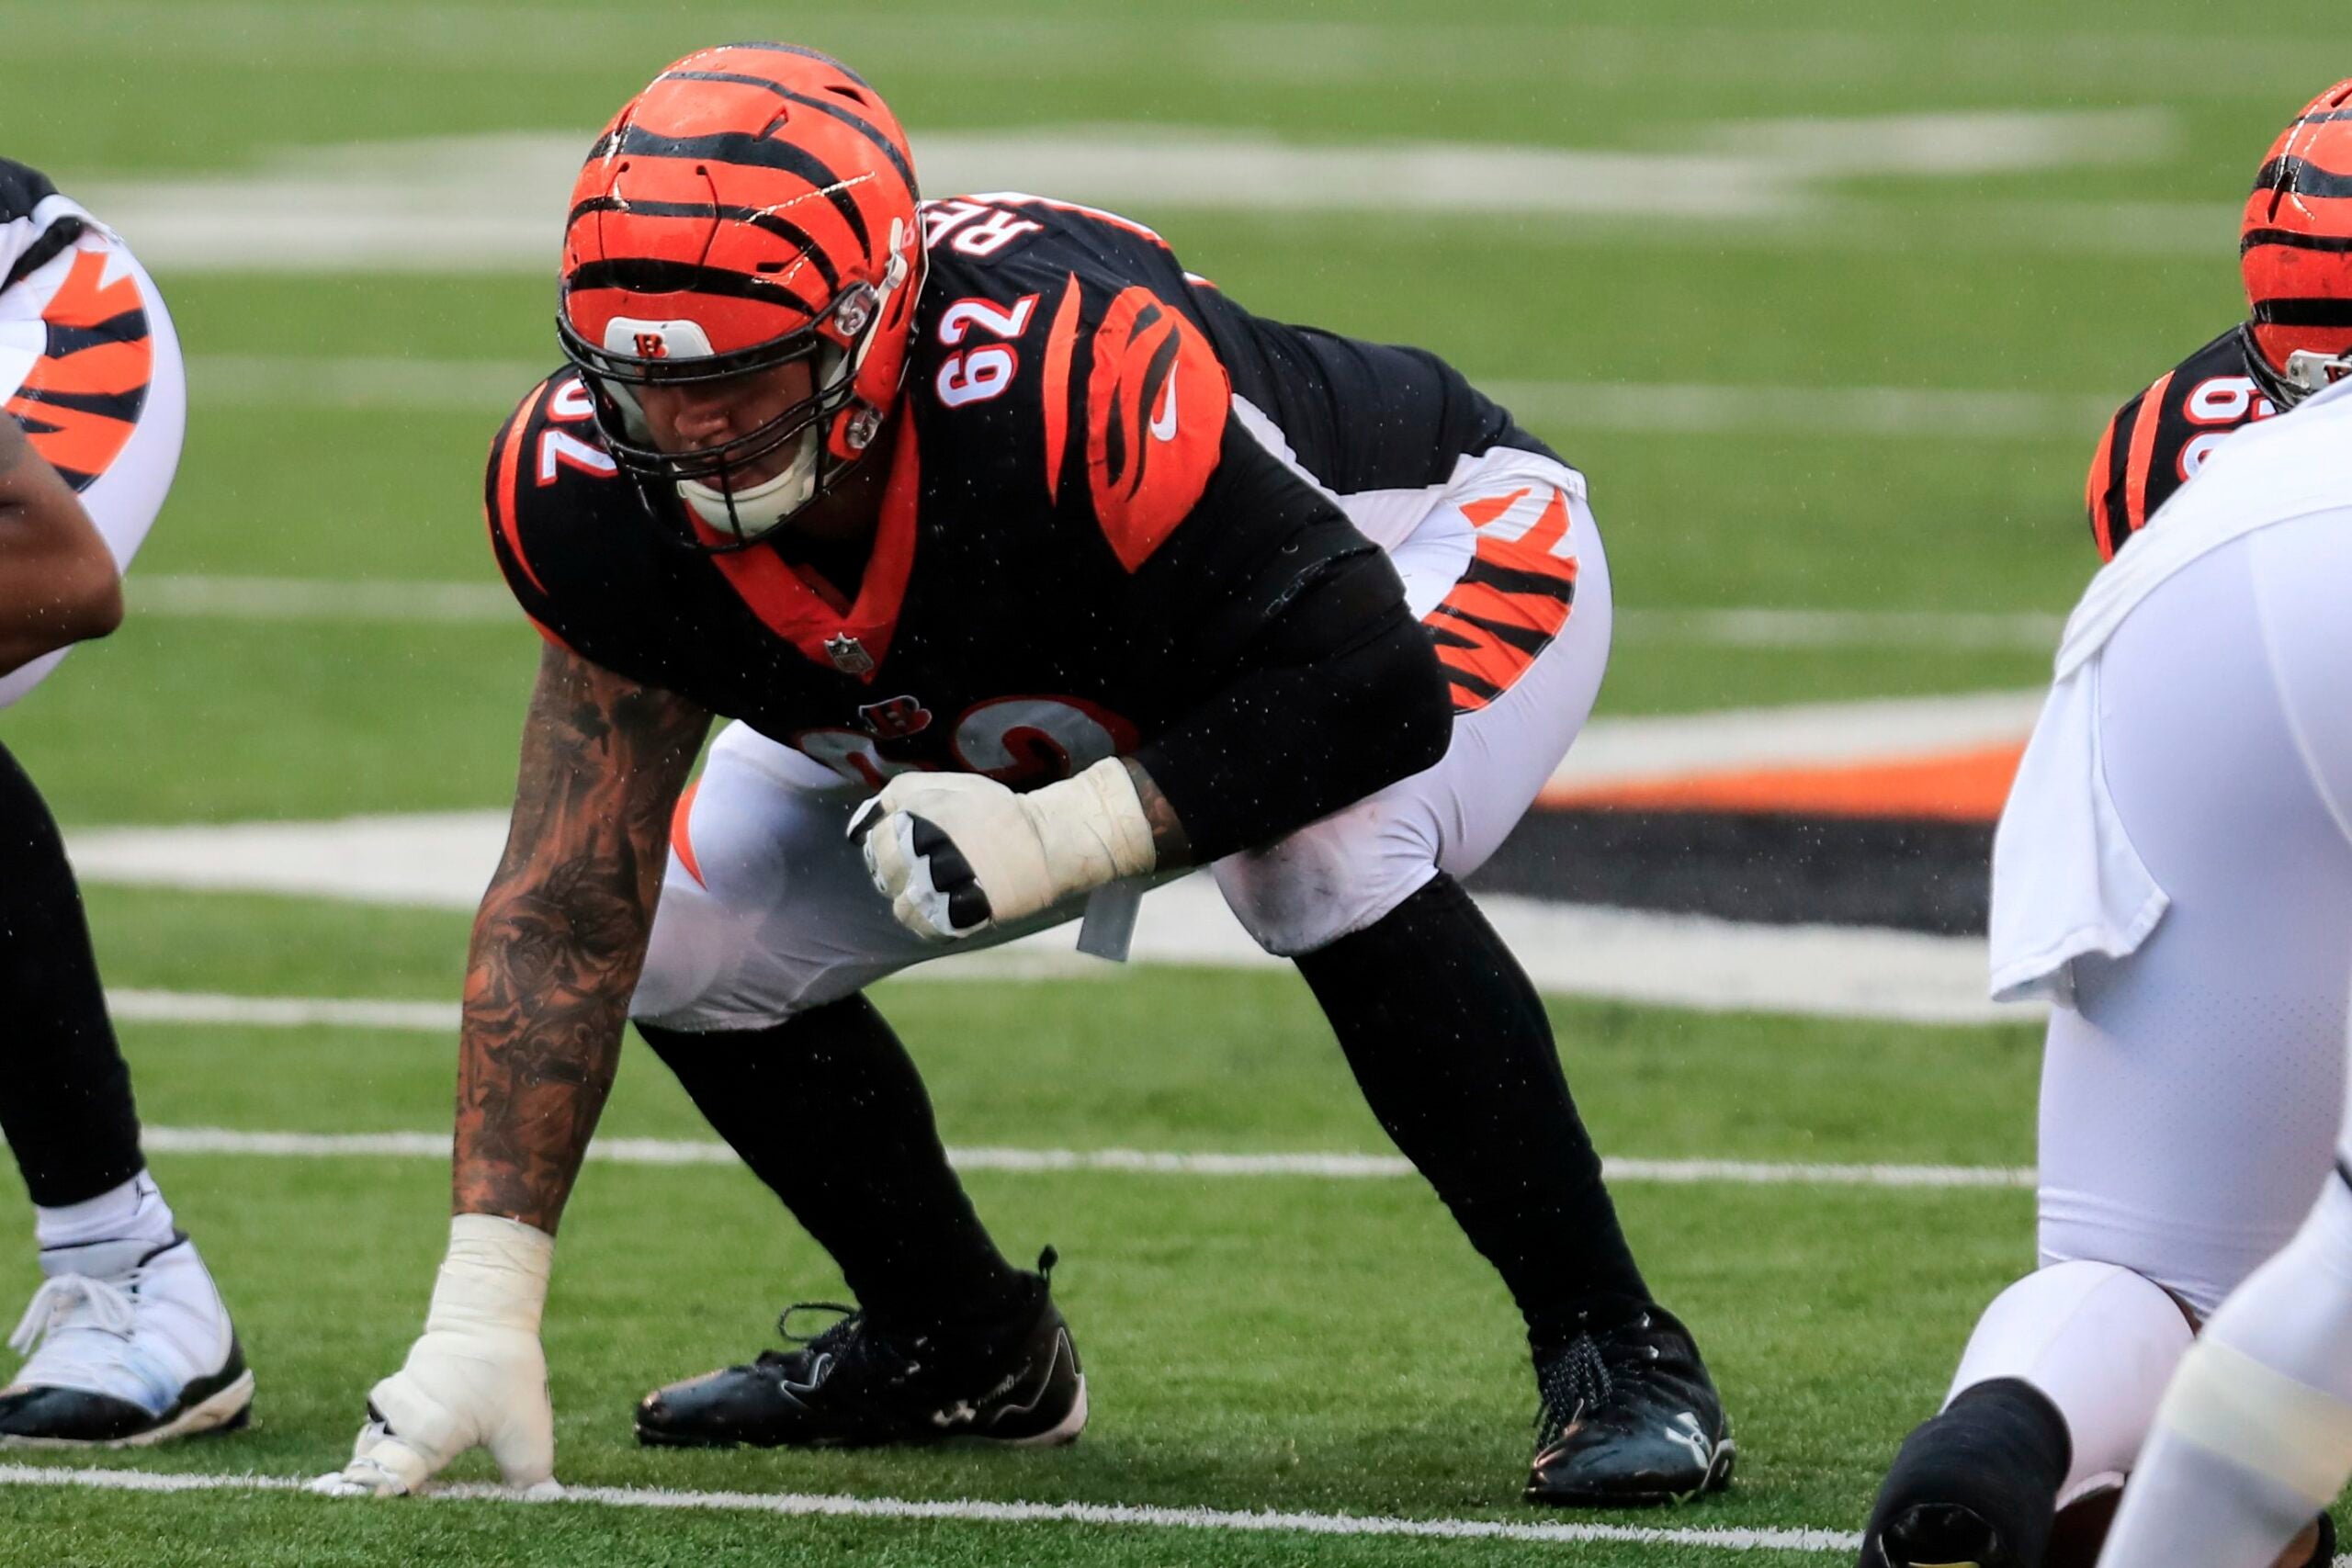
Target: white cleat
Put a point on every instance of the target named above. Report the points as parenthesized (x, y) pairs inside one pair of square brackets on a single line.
[(134, 1347)]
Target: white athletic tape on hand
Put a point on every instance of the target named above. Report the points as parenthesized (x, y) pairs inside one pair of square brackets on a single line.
[(1027, 853), (2224, 1401), (476, 1376)]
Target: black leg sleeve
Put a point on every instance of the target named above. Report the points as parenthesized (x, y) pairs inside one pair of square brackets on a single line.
[(65, 1092), (1455, 1052), (827, 1109)]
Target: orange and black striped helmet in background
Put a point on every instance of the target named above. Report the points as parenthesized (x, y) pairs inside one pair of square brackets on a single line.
[(754, 205), (2295, 245)]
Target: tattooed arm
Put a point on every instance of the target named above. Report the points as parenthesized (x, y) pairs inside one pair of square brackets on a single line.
[(562, 933), (58, 582)]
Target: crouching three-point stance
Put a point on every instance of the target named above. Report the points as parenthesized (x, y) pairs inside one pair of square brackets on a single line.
[(128, 1340), (2173, 872), (1033, 569)]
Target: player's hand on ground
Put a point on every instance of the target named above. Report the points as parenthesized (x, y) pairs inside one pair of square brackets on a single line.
[(957, 853), (476, 1377)]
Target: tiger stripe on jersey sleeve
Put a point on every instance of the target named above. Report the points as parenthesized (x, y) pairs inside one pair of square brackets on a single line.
[(1061, 338), (2102, 488), (2142, 454), (502, 479), (1156, 401)]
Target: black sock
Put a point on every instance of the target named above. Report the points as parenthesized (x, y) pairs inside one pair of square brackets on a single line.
[(827, 1109), (1993, 1460), (66, 1101), (1455, 1052)]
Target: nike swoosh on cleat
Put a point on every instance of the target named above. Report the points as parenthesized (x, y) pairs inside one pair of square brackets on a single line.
[(1163, 423)]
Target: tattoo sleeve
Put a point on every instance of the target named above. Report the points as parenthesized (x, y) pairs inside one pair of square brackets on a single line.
[(1169, 842), (560, 937)]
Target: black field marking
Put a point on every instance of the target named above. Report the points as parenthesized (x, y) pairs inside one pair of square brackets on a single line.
[(1769, 868)]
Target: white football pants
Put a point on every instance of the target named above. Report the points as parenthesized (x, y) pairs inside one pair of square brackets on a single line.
[(132, 466), (766, 909), (2190, 1097), (2192, 1090)]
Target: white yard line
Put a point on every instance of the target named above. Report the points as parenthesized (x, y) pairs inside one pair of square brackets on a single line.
[(490, 387), (495, 202), (1701, 408), (316, 599), (278, 1012), (1954, 630), (1678, 961), (798, 1505), (341, 600), (1134, 1162)]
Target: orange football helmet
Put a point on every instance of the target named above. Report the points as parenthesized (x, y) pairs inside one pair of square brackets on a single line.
[(753, 206), (2295, 247)]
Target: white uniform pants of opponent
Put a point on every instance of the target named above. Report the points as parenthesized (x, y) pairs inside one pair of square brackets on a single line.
[(2193, 1089), (768, 911), (132, 465)]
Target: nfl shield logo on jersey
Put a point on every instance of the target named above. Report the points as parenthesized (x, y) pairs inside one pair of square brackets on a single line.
[(848, 654)]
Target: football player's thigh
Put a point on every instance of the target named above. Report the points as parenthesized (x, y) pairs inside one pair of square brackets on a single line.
[(2190, 1099), (1342, 874), (127, 491), (766, 908)]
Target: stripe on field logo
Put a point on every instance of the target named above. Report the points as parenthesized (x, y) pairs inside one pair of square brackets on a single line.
[(803, 1505), (1137, 1162)]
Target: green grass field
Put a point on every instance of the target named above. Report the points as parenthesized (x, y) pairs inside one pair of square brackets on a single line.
[(1290, 1343)]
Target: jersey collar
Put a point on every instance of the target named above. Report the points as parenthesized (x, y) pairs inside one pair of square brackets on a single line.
[(852, 639)]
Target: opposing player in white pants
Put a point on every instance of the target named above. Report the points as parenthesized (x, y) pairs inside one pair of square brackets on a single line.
[(2173, 871), (128, 1339), (2256, 1431)]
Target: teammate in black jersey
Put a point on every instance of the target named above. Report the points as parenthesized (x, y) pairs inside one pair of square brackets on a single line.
[(1033, 572), (2295, 251)]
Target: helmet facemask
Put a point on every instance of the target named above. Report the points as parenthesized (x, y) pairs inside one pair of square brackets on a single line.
[(637, 353)]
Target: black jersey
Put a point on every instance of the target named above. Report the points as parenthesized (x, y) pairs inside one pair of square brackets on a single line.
[(1105, 483), (2157, 440)]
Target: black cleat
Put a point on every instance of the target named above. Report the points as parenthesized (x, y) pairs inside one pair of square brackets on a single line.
[(1976, 1483), (1940, 1535), (861, 1385), (1629, 1419)]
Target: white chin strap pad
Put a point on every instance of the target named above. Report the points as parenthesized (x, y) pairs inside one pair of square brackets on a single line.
[(765, 504)]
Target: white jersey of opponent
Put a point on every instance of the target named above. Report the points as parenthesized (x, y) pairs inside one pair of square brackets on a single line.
[(2067, 881), (68, 329)]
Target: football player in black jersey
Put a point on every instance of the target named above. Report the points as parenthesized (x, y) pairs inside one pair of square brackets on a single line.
[(127, 1341), (1032, 570), (2142, 1234), (2295, 253)]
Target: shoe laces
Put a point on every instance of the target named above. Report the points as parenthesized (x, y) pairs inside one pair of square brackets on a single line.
[(70, 1301), (1582, 1378), (852, 1339)]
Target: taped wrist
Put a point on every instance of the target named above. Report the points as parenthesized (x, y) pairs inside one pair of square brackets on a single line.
[(1092, 829), (495, 1276)]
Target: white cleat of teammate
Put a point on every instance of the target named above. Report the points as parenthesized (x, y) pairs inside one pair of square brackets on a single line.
[(130, 1344)]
